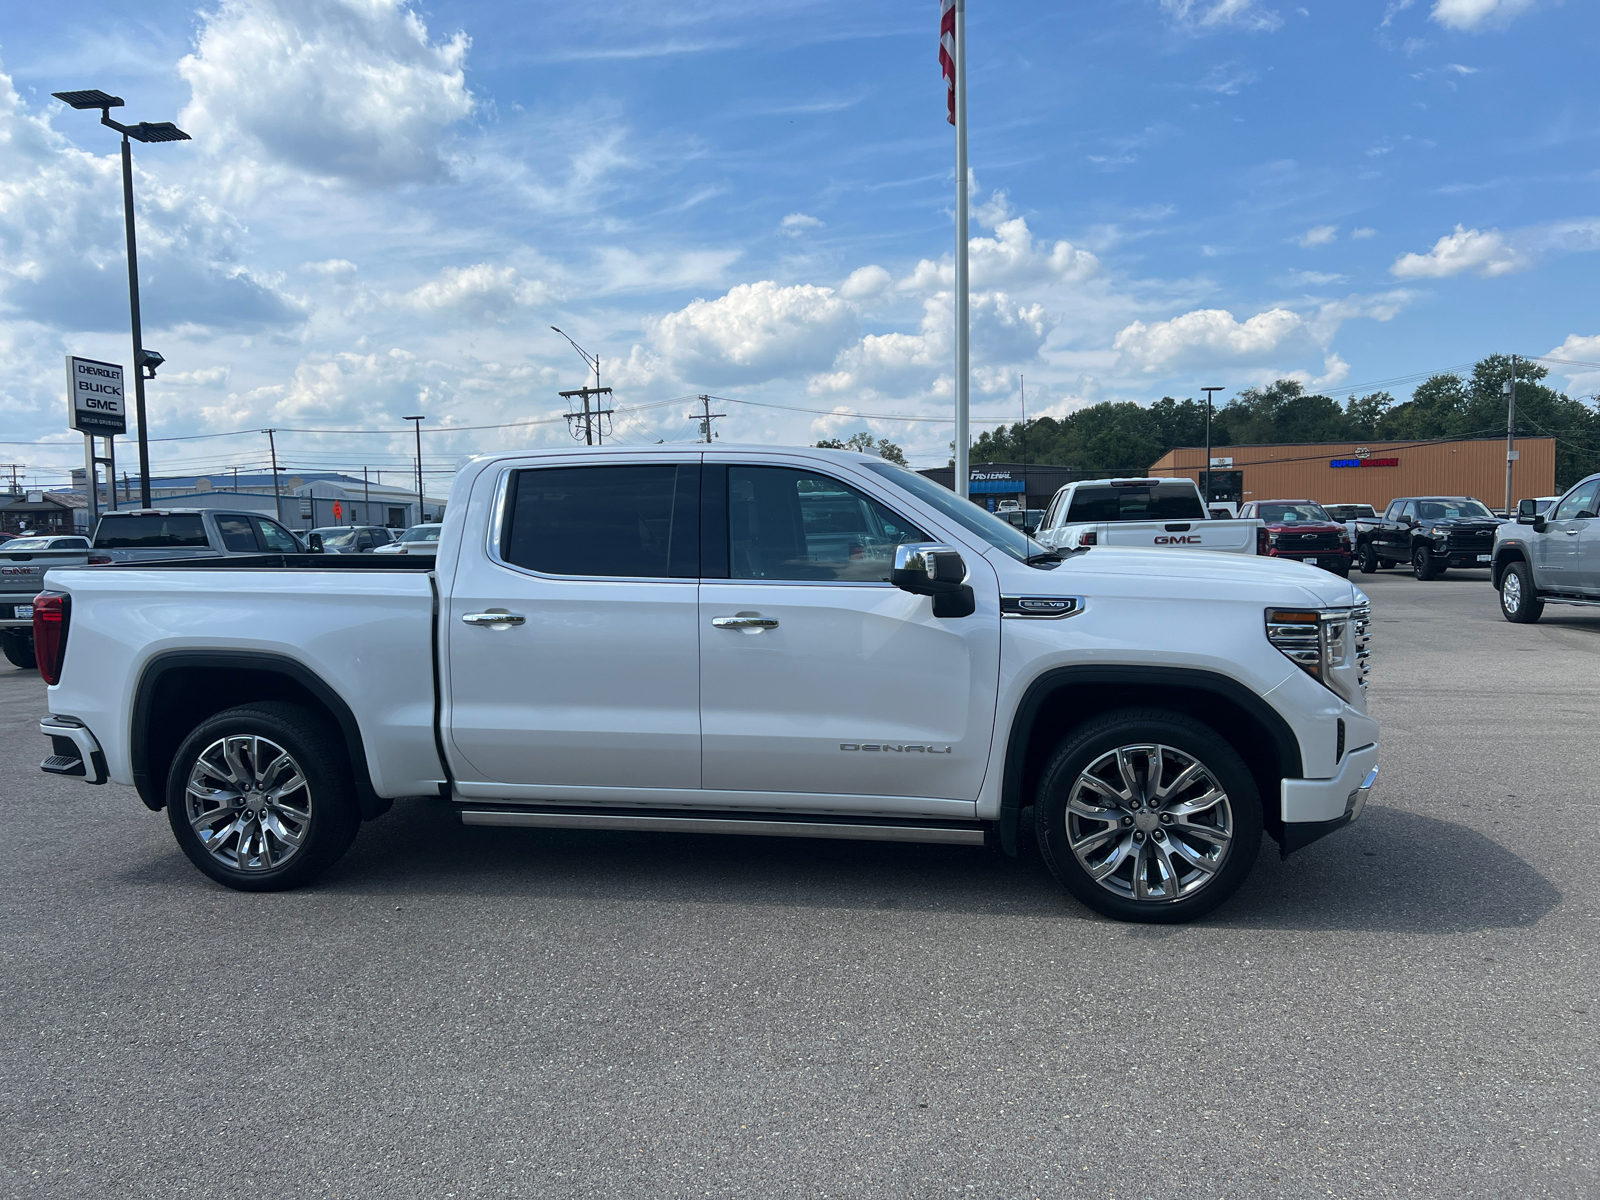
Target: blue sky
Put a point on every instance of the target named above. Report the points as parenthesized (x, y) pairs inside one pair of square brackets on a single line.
[(386, 206)]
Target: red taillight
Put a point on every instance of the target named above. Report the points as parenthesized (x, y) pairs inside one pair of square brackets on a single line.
[(1261, 539), (52, 613), (1091, 538), (99, 560)]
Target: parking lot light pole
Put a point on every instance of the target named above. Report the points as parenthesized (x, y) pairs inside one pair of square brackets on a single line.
[(417, 425), (143, 360), (1207, 497)]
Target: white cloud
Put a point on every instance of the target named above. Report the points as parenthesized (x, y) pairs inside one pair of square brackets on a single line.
[(1010, 258), (1358, 235), (1486, 253), (482, 290), (795, 223), (1316, 278), (1320, 235), (333, 268), (347, 90), (1210, 333), (1395, 8), (866, 282), (1195, 16), (756, 331), (1227, 79), (1473, 15)]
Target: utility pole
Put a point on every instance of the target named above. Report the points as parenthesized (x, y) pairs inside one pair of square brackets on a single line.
[(706, 417), (416, 423), (593, 429), (277, 496), (1510, 391), (366, 499), (1206, 499)]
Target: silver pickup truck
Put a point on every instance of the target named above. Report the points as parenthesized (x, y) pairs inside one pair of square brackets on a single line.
[(23, 562), (1141, 513), (162, 534), (1550, 556)]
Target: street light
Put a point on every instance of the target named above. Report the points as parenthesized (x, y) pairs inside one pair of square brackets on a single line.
[(143, 360), (592, 359), (417, 425)]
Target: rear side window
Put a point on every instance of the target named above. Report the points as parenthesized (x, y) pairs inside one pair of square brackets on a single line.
[(625, 521), (238, 536), (789, 524), (276, 538), (1151, 502), (151, 532)]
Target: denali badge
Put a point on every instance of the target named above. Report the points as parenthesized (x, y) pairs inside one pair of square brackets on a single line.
[(896, 748)]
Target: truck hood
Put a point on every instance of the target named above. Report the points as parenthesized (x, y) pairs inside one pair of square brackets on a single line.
[(1303, 527), (1174, 574)]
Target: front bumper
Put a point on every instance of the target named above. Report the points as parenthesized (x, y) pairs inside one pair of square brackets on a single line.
[(74, 750), (1314, 808), (1322, 556)]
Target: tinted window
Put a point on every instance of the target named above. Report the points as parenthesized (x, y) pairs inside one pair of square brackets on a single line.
[(1408, 508), (1451, 509), (968, 515), (151, 532), (1293, 514), (620, 521), (238, 535), (277, 539), (1579, 501), (1097, 503), (789, 524)]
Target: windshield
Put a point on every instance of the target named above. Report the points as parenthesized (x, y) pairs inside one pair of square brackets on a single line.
[(428, 533), (964, 513), (1450, 510), (337, 538), (1293, 514), (1094, 504)]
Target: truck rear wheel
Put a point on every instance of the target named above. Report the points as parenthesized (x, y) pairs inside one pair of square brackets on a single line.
[(260, 797), (1519, 602), (17, 644), (1148, 815)]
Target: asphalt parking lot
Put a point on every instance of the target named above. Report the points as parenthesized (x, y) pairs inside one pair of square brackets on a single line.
[(1406, 1009)]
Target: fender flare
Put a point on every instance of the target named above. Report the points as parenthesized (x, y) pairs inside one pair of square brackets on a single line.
[(1153, 677), (268, 662)]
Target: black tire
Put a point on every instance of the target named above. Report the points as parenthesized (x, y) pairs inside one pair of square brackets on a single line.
[(18, 649), (1179, 737), (1368, 559), (327, 799), (1423, 565), (1342, 570), (1522, 606)]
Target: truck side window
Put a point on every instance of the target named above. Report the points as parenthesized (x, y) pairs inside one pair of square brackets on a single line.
[(624, 521), (1579, 502), (237, 535), (789, 524), (276, 538)]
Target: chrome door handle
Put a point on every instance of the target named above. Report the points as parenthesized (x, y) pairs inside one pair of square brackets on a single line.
[(744, 622), (492, 619), (1572, 532)]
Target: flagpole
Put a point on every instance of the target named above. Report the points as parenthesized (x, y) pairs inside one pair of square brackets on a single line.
[(963, 434)]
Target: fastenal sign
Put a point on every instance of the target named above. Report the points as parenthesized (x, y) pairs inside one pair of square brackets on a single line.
[(95, 403)]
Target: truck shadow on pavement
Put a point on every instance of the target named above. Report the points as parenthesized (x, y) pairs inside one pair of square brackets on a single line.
[(1393, 871)]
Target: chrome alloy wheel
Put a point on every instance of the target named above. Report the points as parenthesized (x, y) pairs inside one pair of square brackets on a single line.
[(1511, 592), (248, 803), (1149, 823)]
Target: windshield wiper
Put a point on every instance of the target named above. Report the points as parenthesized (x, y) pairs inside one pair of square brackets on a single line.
[(1045, 556)]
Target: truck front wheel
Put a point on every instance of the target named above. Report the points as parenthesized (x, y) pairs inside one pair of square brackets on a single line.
[(1368, 559), (1423, 564), (1519, 602), (18, 647), (261, 799), (1148, 815)]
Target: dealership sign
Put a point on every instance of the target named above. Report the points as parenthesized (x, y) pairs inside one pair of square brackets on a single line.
[(991, 480), (95, 403), (1364, 462)]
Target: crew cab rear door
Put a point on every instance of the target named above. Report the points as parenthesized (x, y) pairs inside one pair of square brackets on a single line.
[(817, 676), (591, 680)]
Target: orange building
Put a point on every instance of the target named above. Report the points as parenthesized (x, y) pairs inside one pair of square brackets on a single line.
[(1369, 472)]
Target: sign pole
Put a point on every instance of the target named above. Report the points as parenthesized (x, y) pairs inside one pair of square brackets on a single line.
[(111, 473), (90, 484), (963, 322)]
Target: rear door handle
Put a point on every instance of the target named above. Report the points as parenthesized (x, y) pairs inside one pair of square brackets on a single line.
[(744, 622), (493, 619)]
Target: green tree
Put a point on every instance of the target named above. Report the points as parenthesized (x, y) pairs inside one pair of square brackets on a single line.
[(1362, 414), (865, 443), (1281, 413)]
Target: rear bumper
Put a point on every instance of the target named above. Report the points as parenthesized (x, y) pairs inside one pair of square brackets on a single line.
[(1314, 808), (74, 751)]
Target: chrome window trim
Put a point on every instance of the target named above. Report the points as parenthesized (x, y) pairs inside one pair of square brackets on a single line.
[(1012, 607)]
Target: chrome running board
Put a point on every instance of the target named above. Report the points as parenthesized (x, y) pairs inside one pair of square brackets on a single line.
[(865, 831)]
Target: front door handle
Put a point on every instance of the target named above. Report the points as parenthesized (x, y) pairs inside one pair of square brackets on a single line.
[(744, 622), (1571, 532), (493, 620)]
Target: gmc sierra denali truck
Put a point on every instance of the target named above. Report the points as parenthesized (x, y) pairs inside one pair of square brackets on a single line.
[(1143, 512), (734, 640)]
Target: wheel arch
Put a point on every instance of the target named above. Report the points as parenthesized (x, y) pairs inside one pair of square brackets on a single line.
[(179, 689), (1503, 558), (1062, 698)]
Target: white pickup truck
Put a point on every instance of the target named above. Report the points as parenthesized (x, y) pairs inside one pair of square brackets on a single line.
[(1165, 513), (776, 642)]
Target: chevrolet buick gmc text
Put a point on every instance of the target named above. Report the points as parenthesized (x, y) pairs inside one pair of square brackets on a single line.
[(808, 643)]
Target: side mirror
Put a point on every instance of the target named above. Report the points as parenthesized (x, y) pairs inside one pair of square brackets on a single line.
[(1539, 523), (1526, 511), (315, 543), (931, 569)]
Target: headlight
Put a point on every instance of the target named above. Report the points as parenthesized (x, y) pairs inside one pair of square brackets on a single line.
[(1272, 539), (1328, 644)]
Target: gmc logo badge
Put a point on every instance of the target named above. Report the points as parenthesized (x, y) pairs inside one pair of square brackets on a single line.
[(1182, 539)]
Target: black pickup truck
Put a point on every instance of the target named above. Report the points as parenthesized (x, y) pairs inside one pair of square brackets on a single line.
[(1432, 533)]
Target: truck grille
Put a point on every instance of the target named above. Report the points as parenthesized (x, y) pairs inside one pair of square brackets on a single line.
[(1361, 620), (1472, 541), (1307, 543)]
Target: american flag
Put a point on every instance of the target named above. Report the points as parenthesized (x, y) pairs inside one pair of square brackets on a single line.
[(947, 51)]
